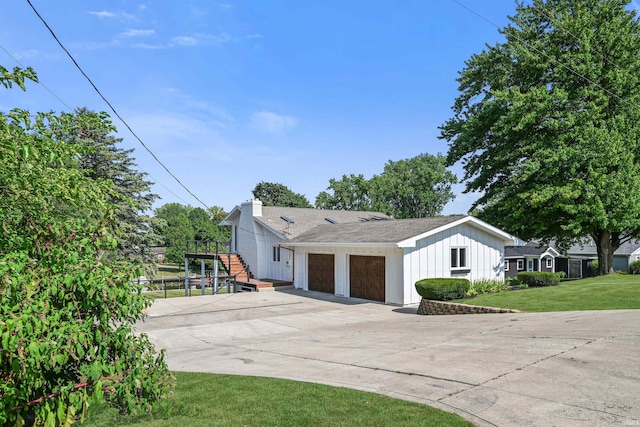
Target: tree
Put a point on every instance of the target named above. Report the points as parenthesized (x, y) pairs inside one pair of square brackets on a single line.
[(275, 194), (351, 193), (547, 124), (66, 312), (413, 188), (132, 197), (177, 224)]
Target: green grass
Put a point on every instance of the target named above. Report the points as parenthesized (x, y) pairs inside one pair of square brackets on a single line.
[(612, 292), (227, 400)]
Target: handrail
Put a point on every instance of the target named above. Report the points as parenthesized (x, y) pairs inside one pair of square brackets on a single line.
[(206, 246)]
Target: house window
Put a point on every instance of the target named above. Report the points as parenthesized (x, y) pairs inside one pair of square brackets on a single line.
[(506, 265), (276, 254), (520, 264), (549, 263), (458, 258)]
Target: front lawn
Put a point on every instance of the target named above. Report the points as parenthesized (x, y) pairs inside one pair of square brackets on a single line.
[(228, 400), (612, 292)]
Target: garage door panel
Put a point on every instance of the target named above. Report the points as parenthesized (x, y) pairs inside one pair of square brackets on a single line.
[(367, 277), (321, 272)]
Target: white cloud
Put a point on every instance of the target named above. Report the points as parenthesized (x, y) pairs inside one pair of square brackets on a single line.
[(103, 14), (113, 15), (269, 122), (184, 41), (253, 36), (137, 33)]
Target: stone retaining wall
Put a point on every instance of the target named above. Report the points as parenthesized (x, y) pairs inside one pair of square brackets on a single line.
[(432, 307)]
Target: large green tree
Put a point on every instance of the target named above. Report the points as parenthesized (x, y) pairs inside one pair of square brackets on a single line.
[(66, 311), (418, 187), (132, 198), (410, 188), (276, 194), (547, 124), (179, 223), (350, 193)]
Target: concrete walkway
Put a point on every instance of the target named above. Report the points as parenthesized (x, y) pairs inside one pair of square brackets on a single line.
[(534, 369)]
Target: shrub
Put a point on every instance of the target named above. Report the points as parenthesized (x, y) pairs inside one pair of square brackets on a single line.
[(485, 286), (634, 268), (443, 289), (538, 278), (593, 266)]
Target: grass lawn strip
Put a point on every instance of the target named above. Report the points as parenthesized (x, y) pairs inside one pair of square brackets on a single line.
[(228, 400), (612, 292)]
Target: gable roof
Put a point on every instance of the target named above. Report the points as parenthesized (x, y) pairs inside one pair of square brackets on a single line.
[(530, 249), (397, 232)]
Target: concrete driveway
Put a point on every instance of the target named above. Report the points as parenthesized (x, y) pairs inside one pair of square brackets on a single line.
[(535, 369)]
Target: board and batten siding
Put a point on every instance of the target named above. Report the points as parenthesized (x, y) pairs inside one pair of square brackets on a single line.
[(393, 268), (255, 244), (430, 258)]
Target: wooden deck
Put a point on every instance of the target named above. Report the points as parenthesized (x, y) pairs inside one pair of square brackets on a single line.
[(265, 284)]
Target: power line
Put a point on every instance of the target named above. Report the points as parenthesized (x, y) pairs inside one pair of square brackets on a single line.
[(529, 47), (111, 106), (39, 82), (156, 181)]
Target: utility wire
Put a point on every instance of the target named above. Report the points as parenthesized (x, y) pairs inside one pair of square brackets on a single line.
[(529, 47), (111, 106), (71, 109), (39, 82)]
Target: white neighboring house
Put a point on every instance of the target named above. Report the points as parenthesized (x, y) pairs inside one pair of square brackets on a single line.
[(364, 254)]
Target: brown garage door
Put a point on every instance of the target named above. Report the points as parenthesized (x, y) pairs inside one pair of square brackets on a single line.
[(366, 277), (321, 273)]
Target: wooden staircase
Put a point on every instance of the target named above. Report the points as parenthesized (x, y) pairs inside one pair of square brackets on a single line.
[(237, 267)]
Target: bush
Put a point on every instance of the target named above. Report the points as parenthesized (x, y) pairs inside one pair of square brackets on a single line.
[(593, 266), (634, 268), (538, 278), (486, 286), (443, 289)]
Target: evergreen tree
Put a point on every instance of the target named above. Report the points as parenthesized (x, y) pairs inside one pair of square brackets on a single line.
[(131, 198)]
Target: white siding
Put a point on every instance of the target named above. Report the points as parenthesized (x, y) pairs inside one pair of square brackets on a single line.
[(393, 268), (431, 257)]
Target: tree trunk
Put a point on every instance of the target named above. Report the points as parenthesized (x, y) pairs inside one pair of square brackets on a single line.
[(605, 247)]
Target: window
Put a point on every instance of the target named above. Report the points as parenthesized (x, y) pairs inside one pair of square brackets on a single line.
[(458, 258), (506, 265), (276, 254), (520, 264), (549, 263)]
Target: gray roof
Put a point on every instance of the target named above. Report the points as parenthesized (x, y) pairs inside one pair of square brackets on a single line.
[(530, 249), (588, 247), (305, 219), (392, 231)]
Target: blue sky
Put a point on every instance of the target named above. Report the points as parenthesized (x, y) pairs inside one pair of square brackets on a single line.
[(228, 94)]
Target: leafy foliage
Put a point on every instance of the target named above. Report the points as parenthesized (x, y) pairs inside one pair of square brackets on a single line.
[(131, 196), (547, 124), (66, 311), (486, 286), (411, 188), (538, 278), (634, 268), (351, 193), (275, 194), (443, 289), (177, 224)]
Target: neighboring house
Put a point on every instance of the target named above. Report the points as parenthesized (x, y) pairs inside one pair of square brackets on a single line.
[(363, 254), (159, 253), (529, 257), (575, 262)]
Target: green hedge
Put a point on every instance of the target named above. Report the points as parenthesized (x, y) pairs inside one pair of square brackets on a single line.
[(538, 278), (443, 289), (634, 268)]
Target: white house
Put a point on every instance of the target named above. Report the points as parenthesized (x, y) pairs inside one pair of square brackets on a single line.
[(364, 254)]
